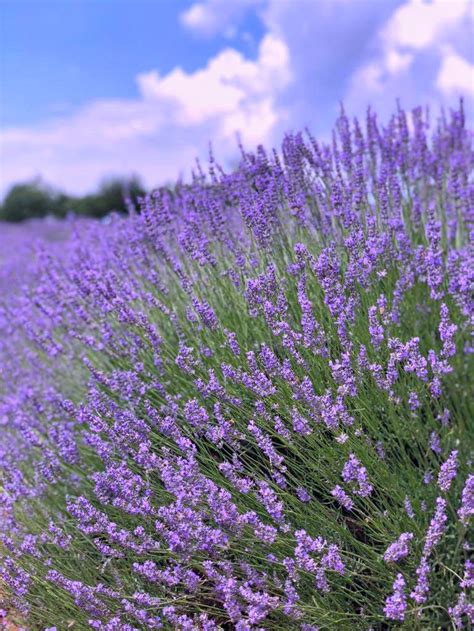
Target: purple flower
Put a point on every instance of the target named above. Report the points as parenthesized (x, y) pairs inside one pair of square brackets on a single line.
[(432, 538), (448, 471), (353, 471), (468, 578), (462, 608), (435, 443), (232, 342), (422, 587), (447, 331), (317, 556), (437, 526), (206, 313), (428, 477), (413, 401), (270, 500), (396, 604), (408, 508), (300, 424), (303, 494), (342, 497), (398, 549), (467, 501), (375, 329)]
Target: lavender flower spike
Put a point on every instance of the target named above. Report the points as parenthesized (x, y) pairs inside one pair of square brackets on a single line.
[(398, 549), (466, 509), (448, 471), (396, 604)]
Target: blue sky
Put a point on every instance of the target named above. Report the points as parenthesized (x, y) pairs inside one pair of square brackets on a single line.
[(91, 88), (60, 54)]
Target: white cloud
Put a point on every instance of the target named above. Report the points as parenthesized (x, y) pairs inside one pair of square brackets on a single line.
[(396, 61), (418, 24), (415, 26), (214, 17), (415, 57), (456, 75), (362, 52), (226, 86), (161, 132)]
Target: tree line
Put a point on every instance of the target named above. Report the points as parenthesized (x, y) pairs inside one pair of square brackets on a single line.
[(35, 199)]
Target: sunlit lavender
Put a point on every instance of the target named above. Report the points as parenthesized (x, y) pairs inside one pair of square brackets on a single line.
[(248, 404)]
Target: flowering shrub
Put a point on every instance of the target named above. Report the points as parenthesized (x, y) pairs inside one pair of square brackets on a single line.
[(249, 405)]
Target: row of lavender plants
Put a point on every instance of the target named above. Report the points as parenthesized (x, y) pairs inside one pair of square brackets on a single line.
[(249, 405)]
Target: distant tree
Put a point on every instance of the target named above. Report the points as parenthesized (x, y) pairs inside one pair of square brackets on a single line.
[(31, 199), (35, 199), (111, 197)]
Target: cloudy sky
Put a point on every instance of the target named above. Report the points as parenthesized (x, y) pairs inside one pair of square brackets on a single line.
[(91, 88)]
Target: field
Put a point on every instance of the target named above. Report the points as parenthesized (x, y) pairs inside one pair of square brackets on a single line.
[(249, 403)]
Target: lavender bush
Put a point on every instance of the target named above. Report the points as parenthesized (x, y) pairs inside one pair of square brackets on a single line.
[(249, 405)]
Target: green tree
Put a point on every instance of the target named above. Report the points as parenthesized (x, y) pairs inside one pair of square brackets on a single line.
[(31, 199), (35, 199), (110, 197)]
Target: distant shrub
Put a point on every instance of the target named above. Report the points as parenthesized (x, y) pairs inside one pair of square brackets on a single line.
[(31, 200), (35, 199)]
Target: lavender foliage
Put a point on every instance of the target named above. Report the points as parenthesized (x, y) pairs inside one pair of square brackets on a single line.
[(248, 404)]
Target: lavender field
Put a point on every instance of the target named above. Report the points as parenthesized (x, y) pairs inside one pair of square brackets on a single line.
[(249, 403)]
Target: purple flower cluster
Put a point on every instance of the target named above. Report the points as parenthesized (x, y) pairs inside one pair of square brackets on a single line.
[(396, 604), (354, 472), (466, 509), (448, 471), (433, 536), (398, 549), (464, 606), (328, 558), (218, 411), (342, 497)]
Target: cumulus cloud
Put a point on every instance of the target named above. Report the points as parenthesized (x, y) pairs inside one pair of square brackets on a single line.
[(214, 17), (164, 129), (328, 42), (415, 56), (228, 85), (360, 52), (418, 24), (456, 74)]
